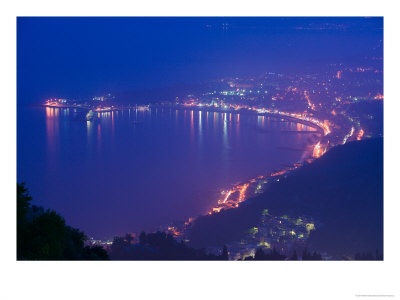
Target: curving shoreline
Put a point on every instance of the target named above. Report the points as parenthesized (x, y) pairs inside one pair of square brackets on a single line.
[(312, 122), (242, 191), (313, 152), (276, 115)]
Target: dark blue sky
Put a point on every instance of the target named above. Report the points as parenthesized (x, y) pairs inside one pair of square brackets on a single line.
[(80, 57)]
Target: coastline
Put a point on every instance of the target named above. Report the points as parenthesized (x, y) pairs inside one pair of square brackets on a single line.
[(239, 192), (247, 189), (272, 114), (275, 115)]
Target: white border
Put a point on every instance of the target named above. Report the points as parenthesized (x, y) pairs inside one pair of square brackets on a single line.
[(196, 280)]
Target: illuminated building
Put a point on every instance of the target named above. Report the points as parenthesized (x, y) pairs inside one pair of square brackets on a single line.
[(98, 98)]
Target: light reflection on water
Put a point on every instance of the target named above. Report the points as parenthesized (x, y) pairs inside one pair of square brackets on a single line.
[(113, 175), (200, 129), (52, 132)]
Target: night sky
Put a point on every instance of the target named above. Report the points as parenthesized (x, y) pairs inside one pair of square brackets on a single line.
[(82, 57)]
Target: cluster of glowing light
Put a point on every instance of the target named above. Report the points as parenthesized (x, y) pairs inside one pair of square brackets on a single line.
[(323, 125), (103, 109), (190, 104), (258, 189), (347, 136), (265, 245), (309, 227), (242, 192), (228, 203), (143, 107), (299, 222), (296, 115), (215, 210), (379, 96), (278, 173), (56, 102), (310, 105), (253, 230), (227, 196), (189, 221), (52, 103), (265, 212), (302, 117), (318, 150), (98, 98), (360, 135), (261, 110), (174, 231)]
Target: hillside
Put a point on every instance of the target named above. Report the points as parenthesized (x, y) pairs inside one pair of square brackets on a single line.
[(342, 191)]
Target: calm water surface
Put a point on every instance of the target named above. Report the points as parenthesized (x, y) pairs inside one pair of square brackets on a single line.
[(113, 176)]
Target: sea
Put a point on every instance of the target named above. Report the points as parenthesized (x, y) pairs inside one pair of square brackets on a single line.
[(135, 169)]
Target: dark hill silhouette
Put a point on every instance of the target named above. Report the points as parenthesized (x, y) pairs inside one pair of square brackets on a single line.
[(343, 190)]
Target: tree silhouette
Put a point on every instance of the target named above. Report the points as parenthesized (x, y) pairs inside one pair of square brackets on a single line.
[(259, 255), (225, 255), (308, 256), (23, 204), (45, 236), (294, 256), (272, 255), (368, 256), (159, 246), (95, 253)]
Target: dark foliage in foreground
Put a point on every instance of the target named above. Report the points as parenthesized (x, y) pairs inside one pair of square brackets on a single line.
[(368, 256), (261, 255), (158, 246), (310, 256), (276, 255), (43, 235)]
